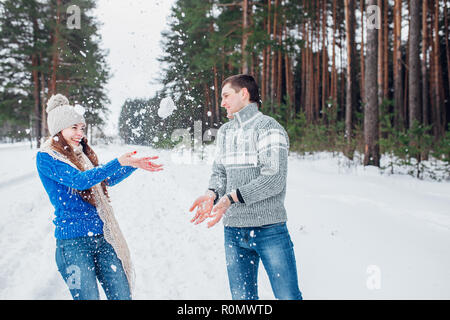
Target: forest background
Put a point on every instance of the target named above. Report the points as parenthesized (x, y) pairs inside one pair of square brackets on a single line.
[(368, 79)]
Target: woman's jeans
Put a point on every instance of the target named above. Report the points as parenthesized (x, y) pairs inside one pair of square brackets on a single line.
[(81, 261), (244, 247)]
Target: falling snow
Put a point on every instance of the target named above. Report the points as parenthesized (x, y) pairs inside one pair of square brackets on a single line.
[(337, 221)]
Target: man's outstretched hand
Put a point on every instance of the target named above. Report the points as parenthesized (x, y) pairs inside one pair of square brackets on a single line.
[(204, 205), (219, 210)]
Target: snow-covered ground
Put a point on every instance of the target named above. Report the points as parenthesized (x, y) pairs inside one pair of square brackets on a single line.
[(357, 234)]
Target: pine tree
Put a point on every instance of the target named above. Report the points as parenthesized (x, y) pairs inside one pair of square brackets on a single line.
[(80, 70), (41, 56), (23, 43), (307, 67)]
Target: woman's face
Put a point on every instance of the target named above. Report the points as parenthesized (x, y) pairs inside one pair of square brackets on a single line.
[(74, 134)]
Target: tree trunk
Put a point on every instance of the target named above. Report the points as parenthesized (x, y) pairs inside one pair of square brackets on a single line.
[(372, 149), (216, 118), (309, 79), (289, 86), (334, 96), (386, 50), (44, 124), (55, 54), (414, 63), (37, 100), (325, 94), (351, 75), (406, 87), (206, 119), (268, 51), (279, 94), (36, 74), (424, 64), (362, 8), (274, 60), (447, 49), (380, 58), (398, 79), (316, 84), (263, 72), (303, 69), (244, 36), (436, 74)]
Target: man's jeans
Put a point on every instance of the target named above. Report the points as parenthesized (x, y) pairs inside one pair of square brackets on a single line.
[(82, 261), (272, 243)]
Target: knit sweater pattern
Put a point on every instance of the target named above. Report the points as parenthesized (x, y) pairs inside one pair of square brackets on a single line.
[(251, 159)]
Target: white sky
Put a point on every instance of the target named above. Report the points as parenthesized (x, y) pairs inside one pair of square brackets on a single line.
[(131, 31)]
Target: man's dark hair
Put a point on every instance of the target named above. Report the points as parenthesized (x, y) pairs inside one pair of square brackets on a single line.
[(239, 81)]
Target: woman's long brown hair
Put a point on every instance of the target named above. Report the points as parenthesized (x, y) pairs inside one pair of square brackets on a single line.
[(60, 145)]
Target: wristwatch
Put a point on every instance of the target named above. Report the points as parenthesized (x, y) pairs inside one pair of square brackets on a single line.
[(231, 198)]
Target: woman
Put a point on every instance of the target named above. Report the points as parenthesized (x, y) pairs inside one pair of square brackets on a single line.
[(89, 243)]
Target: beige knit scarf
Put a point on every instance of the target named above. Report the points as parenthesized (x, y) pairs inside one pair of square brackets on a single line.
[(111, 231)]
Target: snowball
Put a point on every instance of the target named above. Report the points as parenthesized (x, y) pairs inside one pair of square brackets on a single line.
[(166, 107), (155, 139)]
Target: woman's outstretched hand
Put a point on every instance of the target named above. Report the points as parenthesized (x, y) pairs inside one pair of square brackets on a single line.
[(144, 163)]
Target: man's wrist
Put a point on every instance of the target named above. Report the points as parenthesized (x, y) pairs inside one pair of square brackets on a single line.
[(230, 197), (239, 197), (214, 194), (235, 196)]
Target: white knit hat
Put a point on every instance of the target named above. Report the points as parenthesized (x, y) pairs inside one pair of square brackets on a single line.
[(62, 115)]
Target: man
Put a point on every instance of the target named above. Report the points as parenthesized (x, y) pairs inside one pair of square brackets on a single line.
[(247, 188)]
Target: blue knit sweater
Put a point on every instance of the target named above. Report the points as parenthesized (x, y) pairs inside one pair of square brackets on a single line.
[(75, 217)]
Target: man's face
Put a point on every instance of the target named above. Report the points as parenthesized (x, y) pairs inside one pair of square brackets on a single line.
[(234, 101)]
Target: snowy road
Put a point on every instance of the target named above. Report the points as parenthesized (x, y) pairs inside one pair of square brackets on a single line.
[(357, 234)]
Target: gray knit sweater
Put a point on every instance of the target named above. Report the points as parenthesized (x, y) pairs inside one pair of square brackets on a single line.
[(251, 158)]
